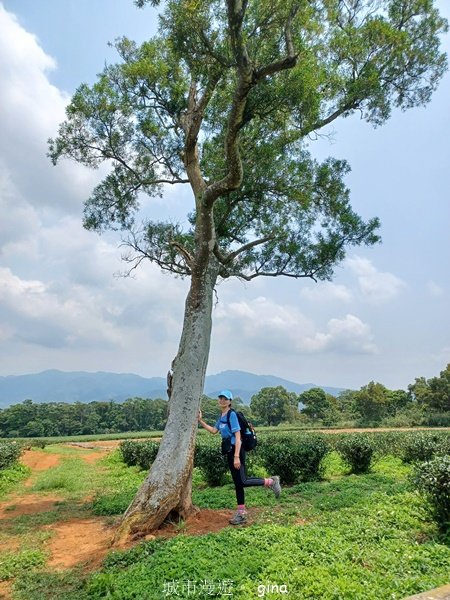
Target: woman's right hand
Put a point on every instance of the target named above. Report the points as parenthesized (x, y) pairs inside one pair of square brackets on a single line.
[(199, 415)]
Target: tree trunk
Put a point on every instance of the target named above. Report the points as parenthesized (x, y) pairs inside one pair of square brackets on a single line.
[(167, 488)]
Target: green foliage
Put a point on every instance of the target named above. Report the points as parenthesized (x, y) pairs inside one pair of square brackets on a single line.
[(432, 479), (356, 450), (118, 486), (293, 457), (272, 405), (372, 403), (113, 504), (72, 477), (43, 585), (211, 463), (32, 420), (141, 454), (12, 475), (424, 445), (338, 60), (436, 419), (366, 548), (9, 453), (319, 405), (433, 393), (15, 563), (344, 537)]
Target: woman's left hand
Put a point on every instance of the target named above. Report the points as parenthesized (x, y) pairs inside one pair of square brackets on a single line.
[(237, 462)]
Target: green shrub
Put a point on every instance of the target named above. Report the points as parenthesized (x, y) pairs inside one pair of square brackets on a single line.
[(211, 463), (432, 479), (129, 451), (148, 452), (423, 446), (10, 476), (356, 450), (38, 443), (14, 563), (9, 453), (141, 454), (294, 458)]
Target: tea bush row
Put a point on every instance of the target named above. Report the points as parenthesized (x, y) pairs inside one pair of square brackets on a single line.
[(298, 457), (424, 446), (141, 454), (432, 480), (9, 453), (294, 458)]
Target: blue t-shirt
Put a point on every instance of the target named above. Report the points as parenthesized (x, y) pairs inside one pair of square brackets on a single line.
[(224, 430)]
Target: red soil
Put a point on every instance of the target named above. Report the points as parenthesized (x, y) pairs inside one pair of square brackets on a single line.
[(87, 541)]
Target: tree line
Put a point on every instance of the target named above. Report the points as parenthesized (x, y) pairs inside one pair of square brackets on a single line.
[(60, 418), (426, 402)]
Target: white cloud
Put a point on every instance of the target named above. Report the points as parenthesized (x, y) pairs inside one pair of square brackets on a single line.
[(376, 287), (327, 292), (38, 314), (32, 109), (19, 220), (120, 326), (350, 334), (271, 327)]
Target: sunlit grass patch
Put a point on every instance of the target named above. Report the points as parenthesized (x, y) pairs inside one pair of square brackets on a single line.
[(69, 476), (10, 477), (14, 563), (44, 585), (119, 485)]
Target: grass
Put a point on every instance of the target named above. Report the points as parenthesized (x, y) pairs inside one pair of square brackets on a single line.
[(13, 564), (91, 437), (9, 478), (346, 537), (370, 552)]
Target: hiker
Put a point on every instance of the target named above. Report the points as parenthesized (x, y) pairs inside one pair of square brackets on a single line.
[(235, 455)]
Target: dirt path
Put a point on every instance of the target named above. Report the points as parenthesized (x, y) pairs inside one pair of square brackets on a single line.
[(88, 540), (38, 460)]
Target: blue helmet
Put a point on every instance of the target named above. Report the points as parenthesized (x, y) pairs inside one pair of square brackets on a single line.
[(226, 393)]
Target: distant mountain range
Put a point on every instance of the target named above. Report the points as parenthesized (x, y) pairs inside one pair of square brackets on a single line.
[(81, 386)]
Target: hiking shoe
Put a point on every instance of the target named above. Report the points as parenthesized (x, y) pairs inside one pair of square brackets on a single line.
[(239, 518), (276, 487)]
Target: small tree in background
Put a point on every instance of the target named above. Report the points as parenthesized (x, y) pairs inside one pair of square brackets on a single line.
[(320, 406), (273, 405)]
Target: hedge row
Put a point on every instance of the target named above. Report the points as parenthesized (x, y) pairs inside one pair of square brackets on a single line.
[(298, 457), (9, 453)]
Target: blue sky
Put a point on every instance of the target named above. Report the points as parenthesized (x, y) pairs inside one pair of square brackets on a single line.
[(384, 317)]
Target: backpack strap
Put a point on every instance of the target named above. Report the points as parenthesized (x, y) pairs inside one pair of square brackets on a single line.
[(228, 419)]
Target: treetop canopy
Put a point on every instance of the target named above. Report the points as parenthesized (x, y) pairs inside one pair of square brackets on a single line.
[(227, 98)]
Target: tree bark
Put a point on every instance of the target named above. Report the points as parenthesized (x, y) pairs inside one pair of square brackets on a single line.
[(166, 490)]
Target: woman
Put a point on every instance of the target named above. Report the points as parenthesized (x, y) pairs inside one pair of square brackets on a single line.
[(235, 453)]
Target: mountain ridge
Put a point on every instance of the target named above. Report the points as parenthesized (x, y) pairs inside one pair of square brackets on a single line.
[(54, 385)]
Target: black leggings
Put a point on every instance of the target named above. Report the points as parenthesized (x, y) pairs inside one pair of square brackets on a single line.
[(239, 476)]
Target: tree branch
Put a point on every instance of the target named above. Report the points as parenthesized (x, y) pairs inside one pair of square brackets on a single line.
[(182, 250), (249, 246)]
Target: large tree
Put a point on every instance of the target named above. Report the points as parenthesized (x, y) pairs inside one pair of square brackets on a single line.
[(226, 99)]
